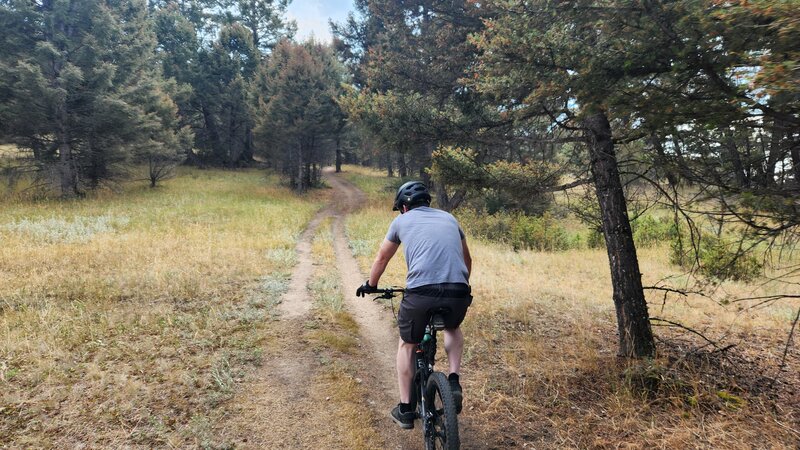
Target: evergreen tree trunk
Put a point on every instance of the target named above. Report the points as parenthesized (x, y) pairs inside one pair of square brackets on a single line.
[(795, 152), (66, 170), (247, 153), (425, 177), (292, 171), (211, 126), (777, 150), (307, 179), (776, 153), (739, 171), (300, 165), (338, 153), (672, 178), (192, 159), (401, 164), (633, 320), (233, 152), (66, 164)]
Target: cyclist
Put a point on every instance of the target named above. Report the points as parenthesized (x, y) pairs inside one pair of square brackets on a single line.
[(439, 266)]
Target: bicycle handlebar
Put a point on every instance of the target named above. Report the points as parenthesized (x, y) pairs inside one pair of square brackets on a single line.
[(388, 293)]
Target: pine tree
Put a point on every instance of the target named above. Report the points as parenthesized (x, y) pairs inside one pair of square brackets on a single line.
[(86, 92), (298, 114), (212, 49)]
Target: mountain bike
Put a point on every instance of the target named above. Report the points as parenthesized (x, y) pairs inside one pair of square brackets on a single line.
[(437, 410)]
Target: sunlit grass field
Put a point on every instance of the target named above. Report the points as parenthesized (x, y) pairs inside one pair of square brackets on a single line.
[(541, 367), (128, 317)]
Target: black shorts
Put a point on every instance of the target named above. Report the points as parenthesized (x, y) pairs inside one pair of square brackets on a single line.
[(419, 302)]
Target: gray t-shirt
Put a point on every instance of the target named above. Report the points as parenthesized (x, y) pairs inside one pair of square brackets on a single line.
[(432, 246)]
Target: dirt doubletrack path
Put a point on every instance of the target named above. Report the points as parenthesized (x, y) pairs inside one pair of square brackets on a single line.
[(278, 408)]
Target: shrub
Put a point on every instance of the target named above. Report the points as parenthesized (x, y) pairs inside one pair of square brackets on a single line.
[(539, 233), (595, 239), (649, 231), (520, 231), (58, 230), (724, 261), (718, 258)]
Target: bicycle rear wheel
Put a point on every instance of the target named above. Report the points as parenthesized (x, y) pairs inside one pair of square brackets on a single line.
[(441, 426)]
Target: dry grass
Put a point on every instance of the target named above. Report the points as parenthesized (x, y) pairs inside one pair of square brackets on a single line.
[(541, 345), (334, 328), (9, 151), (373, 182), (126, 319)]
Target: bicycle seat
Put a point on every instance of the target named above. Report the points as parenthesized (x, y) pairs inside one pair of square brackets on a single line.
[(437, 318)]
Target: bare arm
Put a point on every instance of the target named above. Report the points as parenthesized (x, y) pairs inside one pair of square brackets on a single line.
[(385, 253), (467, 257)]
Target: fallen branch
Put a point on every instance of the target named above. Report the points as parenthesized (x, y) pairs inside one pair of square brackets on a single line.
[(789, 339), (766, 297), (672, 324)]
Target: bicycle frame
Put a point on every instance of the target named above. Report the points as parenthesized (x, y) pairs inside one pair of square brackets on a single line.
[(424, 359)]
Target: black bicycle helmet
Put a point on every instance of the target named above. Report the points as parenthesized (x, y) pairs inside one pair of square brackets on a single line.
[(410, 194)]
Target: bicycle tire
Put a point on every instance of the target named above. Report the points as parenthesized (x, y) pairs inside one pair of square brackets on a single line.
[(443, 432)]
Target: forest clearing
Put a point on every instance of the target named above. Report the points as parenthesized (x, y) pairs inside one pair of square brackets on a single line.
[(150, 317), (193, 193)]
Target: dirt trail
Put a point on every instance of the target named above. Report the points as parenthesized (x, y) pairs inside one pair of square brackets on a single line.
[(295, 302), (376, 325), (379, 337), (279, 408)]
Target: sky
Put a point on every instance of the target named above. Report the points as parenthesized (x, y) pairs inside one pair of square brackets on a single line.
[(312, 16)]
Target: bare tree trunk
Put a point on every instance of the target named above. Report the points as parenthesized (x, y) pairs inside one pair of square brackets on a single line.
[(447, 202), (633, 319)]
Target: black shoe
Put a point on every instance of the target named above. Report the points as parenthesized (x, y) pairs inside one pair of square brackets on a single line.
[(458, 394), (404, 419)]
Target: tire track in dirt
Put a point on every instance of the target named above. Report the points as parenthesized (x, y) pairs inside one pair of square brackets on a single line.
[(378, 329), (277, 408), (378, 336)]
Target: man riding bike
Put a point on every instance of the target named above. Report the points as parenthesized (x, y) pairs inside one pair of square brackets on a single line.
[(439, 266)]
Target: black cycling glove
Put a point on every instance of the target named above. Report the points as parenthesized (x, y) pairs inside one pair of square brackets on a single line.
[(366, 289)]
